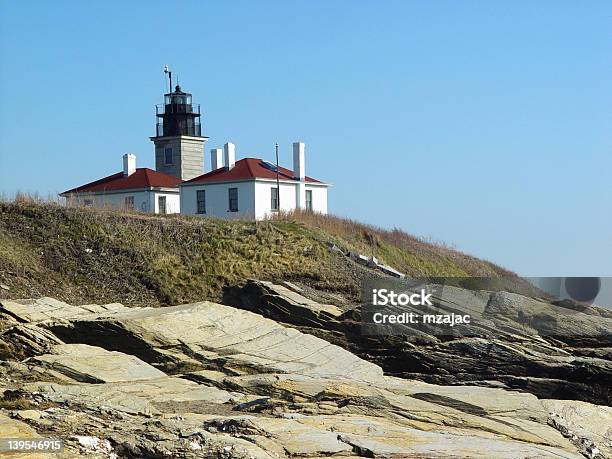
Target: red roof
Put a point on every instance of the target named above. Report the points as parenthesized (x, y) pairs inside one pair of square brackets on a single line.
[(246, 169), (142, 178)]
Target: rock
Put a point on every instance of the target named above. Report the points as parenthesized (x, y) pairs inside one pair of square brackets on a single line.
[(279, 303), (293, 287), (14, 429), (565, 324), (28, 415), (30, 339), (212, 335), (502, 345), (361, 259), (208, 380), (391, 271), (588, 427), (93, 445), (334, 248), (91, 364), (372, 262), (45, 308), (146, 397), (297, 438)]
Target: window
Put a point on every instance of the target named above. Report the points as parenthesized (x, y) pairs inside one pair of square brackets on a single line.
[(129, 202), (274, 198), (88, 203), (161, 204), (168, 156), (309, 200), (233, 199), (201, 200)]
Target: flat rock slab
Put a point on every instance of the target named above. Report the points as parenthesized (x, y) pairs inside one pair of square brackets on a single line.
[(38, 310), (144, 397), (92, 364), (378, 437), (215, 335), (512, 415)]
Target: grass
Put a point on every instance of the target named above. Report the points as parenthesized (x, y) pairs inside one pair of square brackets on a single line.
[(411, 255), (86, 255)]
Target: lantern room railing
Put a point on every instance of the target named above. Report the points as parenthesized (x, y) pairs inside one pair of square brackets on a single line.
[(162, 109), (194, 130)]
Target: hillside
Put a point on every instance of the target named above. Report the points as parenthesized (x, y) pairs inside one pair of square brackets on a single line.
[(273, 369), (77, 254)]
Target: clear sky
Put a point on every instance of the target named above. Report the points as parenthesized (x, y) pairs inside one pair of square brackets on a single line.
[(486, 125)]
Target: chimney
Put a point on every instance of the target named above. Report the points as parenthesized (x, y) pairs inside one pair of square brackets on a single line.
[(229, 155), (216, 158), (299, 167), (129, 164)]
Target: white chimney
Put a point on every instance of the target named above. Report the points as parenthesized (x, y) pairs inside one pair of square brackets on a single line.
[(216, 158), (229, 155), (129, 164), (299, 166)]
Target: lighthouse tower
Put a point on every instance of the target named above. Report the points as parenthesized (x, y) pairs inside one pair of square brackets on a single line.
[(179, 143)]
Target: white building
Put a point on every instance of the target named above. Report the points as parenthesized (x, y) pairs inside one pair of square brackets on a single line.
[(232, 189), (133, 188), (248, 188), (179, 155)]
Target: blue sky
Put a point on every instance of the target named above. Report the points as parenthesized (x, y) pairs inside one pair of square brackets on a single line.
[(486, 125)]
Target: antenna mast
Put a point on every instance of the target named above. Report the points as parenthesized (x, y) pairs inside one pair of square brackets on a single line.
[(277, 181), (169, 73)]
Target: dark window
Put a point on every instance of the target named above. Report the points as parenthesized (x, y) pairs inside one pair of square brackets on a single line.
[(201, 199), (88, 203), (168, 156), (233, 199), (309, 200), (161, 204), (129, 202), (274, 198)]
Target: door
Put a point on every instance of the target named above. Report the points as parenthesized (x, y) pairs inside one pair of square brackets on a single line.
[(161, 205)]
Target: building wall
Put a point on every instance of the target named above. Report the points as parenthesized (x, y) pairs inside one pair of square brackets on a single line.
[(293, 196), (187, 156), (217, 199), (144, 201), (254, 198), (173, 202), (263, 198), (319, 198)]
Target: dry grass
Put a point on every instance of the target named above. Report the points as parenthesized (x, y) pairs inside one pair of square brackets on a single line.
[(80, 254), (89, 255), (409, 254)]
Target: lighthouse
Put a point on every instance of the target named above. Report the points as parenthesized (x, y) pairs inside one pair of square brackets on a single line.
[(179, 143)]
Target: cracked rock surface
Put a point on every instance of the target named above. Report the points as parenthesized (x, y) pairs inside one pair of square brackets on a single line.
[(210, 380)]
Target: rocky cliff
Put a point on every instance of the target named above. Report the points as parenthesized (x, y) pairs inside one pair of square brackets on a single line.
[(212, 380), (550, 349)]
